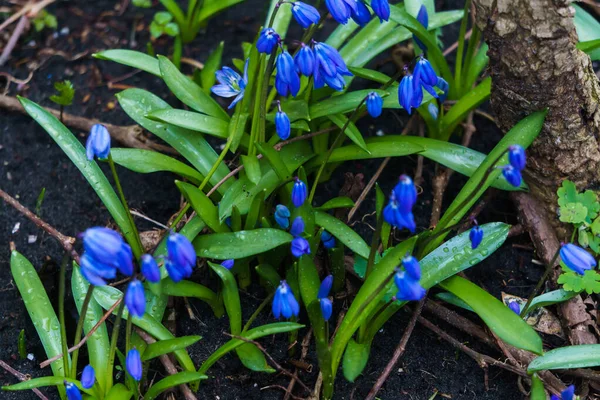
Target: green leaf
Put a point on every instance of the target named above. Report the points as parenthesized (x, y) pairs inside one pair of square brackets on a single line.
[(589, 281), (172, 29), (454, 300), (355, 359), (500, 319), (252, 334), (568, 193), (119, 392), (203, 206), (588, 28), (193, 289), (66, 92), (193, 121), (98, 344), (163, 17), (188, 91), (370, 74), (465, 105), (537, 388), (308, 279), (89, 169), (567, 357), (107, 296), (156, 30), (269, 274), (550, 298), (212, 7), (523, 134), (237, 127), (589, 46), (131, 58), (212, 64), (58, 381), (343, 233), (348, 102), (337, 202), (574, 213), (39, 308), (161, 347), (148, 161), (351, 130), (240, 244), (138, 103), (170, 381), (252, 167), (275, 160)]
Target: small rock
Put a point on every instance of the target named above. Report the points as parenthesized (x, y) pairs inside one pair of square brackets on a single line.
[(30, 357), (31, 239), (16, 228)]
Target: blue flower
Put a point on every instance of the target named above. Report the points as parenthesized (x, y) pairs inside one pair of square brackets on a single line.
[(475, 236), (381, 8), (395, 217), (444, 87), (409, 95), (297, 227), (517, 157), (105, 251), (512, 175), (96, 272), (88, 377), (362, 15), (102, 243), (409, 289), (150, 268), (282, 216), (567, 394), (326, 308), (328, 240), (125, 260), (133, 364), (286, 80), (325, 287), (231, 84), (282, 124), (181, 257), (299, 193), (305, 60), (515, 307), (284, 302), (329, 60), (228, 263), (135, 298), (73, 392), (305, 14), (300, 247), (412, 267), (98, 142), (433, 110), (576, 258), (341, 10), (405, 193), (424, 72), (267, 41), (423, 19), (374, 104)]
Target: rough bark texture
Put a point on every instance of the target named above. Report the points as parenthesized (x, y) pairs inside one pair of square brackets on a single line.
[(534, 64)]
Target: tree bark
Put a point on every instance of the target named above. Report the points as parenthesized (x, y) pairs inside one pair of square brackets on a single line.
[(534, 64)]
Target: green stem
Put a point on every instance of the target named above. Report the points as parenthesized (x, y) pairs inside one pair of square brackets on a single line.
[(461, 47), (540, 283), (113, 343), (113, 169), (257, 108), (177, 51), (79, 329), (258, 310), (374, 245), (61, 311), (338, 140)]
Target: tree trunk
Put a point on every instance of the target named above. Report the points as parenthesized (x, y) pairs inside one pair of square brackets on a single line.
[(534, 64)]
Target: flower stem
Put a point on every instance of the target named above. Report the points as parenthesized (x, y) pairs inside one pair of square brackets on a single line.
[(540, 283), (61, 312), (258, 310), (79, 329), (113, 342), (113, 169)]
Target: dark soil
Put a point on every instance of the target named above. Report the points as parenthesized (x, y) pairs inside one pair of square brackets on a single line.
[(30, 161)]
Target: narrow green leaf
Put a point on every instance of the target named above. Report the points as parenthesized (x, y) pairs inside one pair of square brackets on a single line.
[(568, 357), (500, 319), (131, 58), (252, 167), (203, 206), (40, 311), (252, 334), (211, 7), (589, 46), (355, 359), (192, 289), (308, 279), (89, 169), (337, 202), (231, 297), (588, 28), (268, 273), (343, 233), (550, 298), (454, 300), (466, 104), (192, 120), (351, 130), (254, 212), (212, 64), (138, 103), (188, 91), (45, 381), (168, 346), (170, 381), (237, 126), (119, 392), (147, 161), (223, 246), (274, 159), (480, 61), (537, 388), (348, 102)]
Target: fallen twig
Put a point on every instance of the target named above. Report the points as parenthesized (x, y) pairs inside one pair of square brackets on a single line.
[(22, 377), (14, 38), (29, 9)]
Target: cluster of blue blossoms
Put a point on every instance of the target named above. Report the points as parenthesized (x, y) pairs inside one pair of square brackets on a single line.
[(398, 211), (407, 281), (98, 143), (410, 92), (88, 379), (567, 394)]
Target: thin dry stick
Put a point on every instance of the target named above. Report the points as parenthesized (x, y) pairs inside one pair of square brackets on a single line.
[(379, 171), (30, 8), (304, 345), (13, 40), (86, 337), (397, 353), (454, 45), (169, 366), (275, 363), (22, 377), (65, 241)]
